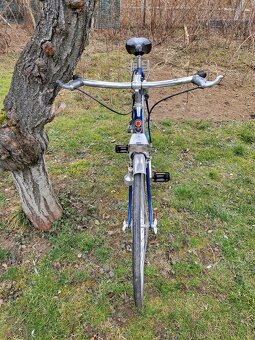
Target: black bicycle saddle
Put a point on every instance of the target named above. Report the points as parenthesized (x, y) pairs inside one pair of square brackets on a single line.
[(138, 46)]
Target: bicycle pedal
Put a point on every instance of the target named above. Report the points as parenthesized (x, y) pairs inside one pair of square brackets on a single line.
[(161, 177), (121, 148)]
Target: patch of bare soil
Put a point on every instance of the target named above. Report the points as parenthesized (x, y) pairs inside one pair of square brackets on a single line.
[(233, 99)]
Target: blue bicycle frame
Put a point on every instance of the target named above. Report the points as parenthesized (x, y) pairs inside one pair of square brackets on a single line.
[(138, 127)]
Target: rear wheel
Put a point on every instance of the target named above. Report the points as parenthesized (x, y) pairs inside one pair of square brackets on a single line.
[(139, 235)]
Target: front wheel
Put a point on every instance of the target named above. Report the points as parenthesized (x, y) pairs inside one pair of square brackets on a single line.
[(139, 234)]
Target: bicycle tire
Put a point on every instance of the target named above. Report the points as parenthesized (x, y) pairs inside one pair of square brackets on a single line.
[(139, 236)]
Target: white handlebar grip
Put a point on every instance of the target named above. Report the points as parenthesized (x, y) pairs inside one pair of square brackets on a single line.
[(203, 83)]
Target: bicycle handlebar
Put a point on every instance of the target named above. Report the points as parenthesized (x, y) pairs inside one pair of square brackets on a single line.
[(136, 85), (75, 84)]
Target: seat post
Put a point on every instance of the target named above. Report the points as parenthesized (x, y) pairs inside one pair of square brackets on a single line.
[(139, 61)]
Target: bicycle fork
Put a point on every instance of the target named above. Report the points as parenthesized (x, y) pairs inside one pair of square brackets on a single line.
[(139, 163)]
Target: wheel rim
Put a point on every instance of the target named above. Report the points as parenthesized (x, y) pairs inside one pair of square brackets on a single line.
[(140, 233), (144, 231)]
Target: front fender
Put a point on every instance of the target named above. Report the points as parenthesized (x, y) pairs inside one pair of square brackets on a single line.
[(139, 164)]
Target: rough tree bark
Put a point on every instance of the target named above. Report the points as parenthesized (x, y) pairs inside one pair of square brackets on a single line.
[(53, 52)]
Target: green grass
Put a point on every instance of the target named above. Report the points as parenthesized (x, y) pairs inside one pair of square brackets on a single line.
[(199, 278), (4, 254), (7, 63), (2, 200)]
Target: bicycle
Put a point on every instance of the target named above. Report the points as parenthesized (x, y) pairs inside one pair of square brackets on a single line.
[(140, 212)]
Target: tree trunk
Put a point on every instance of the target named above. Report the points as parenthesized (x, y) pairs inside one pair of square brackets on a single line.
[(53, 52), (38, 199)]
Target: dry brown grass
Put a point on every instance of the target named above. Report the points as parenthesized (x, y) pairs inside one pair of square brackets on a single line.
[(4, 39)]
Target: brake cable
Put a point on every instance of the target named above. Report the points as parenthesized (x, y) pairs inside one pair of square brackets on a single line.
[(103, 104), (161, 100), (147, 104), (149, 118), (173, 95)]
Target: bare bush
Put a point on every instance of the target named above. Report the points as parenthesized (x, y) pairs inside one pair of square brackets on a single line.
[(4, 39), (191, 19), (20, 11), (17, 20), (28, 16)]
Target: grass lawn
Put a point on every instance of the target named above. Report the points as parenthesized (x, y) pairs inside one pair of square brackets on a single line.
[(75, 281)]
